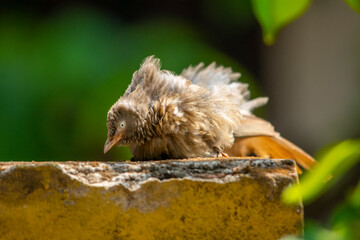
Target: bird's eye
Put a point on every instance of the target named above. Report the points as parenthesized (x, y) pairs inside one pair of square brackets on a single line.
[(122, 124)]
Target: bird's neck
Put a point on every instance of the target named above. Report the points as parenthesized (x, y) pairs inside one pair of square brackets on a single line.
[(148, 126)]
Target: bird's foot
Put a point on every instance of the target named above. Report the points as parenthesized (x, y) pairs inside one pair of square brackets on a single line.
[(222, 154)]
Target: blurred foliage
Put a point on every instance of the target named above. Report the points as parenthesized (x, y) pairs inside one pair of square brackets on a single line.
[(59, 77), (334, 162), (228, 11), (354, 4), (273, 15), (344, 223)]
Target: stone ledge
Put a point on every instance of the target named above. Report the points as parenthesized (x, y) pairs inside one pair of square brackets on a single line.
[(228, 198)]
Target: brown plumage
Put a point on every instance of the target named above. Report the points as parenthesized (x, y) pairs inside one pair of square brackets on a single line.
[(204, 112)]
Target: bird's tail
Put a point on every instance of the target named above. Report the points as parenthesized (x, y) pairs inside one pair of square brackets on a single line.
[(273, 147)]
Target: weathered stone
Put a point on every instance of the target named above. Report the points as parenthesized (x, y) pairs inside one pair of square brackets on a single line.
[(185, 199)]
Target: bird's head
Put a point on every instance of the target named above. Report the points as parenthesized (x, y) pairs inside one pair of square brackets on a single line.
[(122, 125)]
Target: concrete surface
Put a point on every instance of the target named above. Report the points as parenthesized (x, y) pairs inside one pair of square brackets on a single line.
[(228, 198)]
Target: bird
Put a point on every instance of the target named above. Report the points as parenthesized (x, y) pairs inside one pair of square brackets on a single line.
[(203, 112)]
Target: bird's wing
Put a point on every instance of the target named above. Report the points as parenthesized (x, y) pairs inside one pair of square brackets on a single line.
[(223, 82), (219, 80), (254, 126), (211, 75)]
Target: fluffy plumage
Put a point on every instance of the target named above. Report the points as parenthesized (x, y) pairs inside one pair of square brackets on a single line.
[(200, 113)]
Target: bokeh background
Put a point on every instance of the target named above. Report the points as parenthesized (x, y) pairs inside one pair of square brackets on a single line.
[(64, 63)]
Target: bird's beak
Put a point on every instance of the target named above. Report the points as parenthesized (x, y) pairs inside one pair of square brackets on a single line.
[(110, 143)]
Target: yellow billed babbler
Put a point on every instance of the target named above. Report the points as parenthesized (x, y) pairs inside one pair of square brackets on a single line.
[(204, 112)]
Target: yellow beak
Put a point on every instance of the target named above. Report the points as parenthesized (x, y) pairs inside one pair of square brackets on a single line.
[(110, 143)]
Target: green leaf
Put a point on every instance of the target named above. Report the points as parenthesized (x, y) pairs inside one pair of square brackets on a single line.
[(273, 15), (345, 219), (354, 4), (332, 164)]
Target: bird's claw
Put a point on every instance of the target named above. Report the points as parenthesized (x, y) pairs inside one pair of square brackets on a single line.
[(222, 154)]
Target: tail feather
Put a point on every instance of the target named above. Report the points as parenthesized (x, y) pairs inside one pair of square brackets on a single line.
[(271, 147)]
